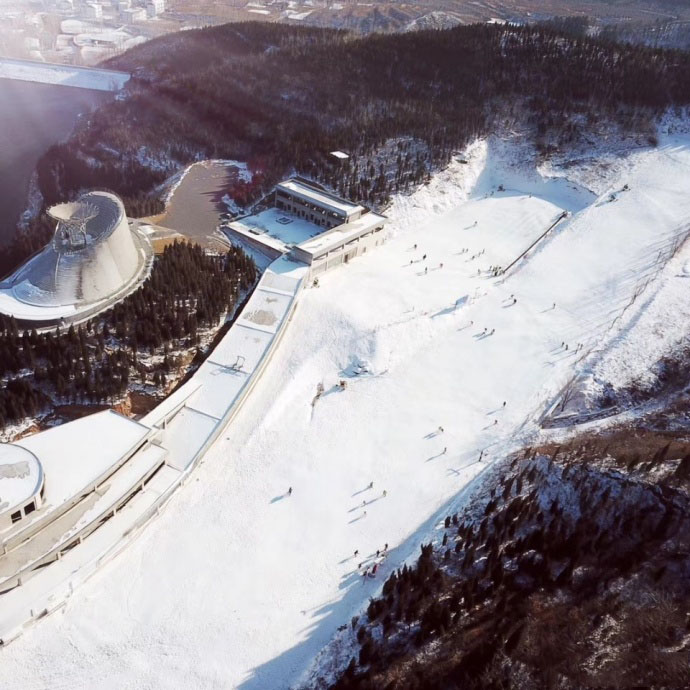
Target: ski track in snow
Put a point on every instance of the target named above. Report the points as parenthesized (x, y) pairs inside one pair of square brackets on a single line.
[(238, 585)]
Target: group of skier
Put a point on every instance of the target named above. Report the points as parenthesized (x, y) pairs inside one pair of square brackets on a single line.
[(378, 559)]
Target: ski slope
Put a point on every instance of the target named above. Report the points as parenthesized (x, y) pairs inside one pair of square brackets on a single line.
[(237, 584)]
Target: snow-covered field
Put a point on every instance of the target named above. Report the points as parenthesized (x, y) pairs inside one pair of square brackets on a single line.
[(660, 322), (239, 585)]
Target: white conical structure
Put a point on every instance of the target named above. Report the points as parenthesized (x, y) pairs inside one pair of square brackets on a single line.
[(93, 259)]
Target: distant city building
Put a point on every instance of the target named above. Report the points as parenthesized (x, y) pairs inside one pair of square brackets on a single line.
[(32, 43), (93, 260), (155, 7), (134, 14), (64, 5), (93, 10)]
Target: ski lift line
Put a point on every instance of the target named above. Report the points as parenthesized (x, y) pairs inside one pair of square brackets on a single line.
[(563, 215)]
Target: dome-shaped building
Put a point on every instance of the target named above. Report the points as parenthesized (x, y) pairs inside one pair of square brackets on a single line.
[(94, 259), (21, 484)]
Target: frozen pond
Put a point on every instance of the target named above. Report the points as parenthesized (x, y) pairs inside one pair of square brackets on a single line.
[(196, 204)]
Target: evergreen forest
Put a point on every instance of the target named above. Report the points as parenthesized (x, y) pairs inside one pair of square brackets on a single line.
[(139, 340)]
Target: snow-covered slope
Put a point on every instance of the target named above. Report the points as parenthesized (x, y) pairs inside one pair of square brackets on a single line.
[(238, 584)]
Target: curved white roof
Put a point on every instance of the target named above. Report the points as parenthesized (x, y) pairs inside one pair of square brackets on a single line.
[(319, 197), (21, 476), (93, 257)]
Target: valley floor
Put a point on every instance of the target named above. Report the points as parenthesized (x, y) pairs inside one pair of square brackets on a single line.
[(238, 584)]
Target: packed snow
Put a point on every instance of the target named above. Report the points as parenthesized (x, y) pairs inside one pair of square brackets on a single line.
[(287, 229), (74, 456), (661, 325), (239, 583)]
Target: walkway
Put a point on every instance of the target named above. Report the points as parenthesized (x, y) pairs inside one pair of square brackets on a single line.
[(179, 432)]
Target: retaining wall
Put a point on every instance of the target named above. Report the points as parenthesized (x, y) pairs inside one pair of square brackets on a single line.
[(92, 78)]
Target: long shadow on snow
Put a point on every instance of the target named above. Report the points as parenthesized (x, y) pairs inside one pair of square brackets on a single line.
[(275, 673)]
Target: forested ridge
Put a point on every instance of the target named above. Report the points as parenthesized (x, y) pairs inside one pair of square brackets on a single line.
[(281, 97), (568, 569), (138, 340)]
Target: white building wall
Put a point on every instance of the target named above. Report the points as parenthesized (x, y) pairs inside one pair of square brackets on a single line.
[(346, 252)]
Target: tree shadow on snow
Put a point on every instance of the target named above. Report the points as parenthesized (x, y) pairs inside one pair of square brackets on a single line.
[(325, 619), (280, 497), (435, 457), (365, 504), (357, 519), (443, 312)]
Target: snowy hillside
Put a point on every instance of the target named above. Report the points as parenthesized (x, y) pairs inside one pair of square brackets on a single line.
[(238, 584)]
